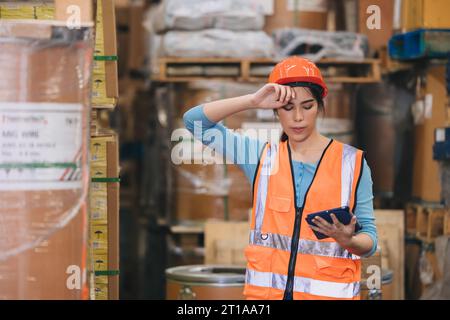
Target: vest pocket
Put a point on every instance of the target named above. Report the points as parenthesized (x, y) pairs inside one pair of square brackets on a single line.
[(259, 258), (279, 204), (259, 266), (335, 268)]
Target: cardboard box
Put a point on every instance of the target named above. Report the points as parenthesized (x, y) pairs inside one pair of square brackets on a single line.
[(287, 15), (426, 179), (225, 242), (378, 38), (105, 79), (427, 14), (105, 207), (66, 10), (131, 36), (53, 266), (137, 37), (391, 238)]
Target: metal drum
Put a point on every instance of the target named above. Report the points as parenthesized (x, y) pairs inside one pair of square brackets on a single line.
[(205, 282)]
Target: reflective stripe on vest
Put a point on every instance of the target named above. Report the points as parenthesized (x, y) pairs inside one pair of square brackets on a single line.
[(302, 284), (347, 173), (282, 242), (263, 184)]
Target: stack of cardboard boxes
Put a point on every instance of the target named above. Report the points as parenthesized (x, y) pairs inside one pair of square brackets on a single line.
[(104, 209), (104, 159)]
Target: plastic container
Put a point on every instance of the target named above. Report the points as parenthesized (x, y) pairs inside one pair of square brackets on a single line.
[(205, 282)]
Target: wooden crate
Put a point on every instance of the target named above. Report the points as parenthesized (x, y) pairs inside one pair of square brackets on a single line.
[(430, 224), (447, 223), (176, 69), (391, 236), (426, 221), (411, 211), (225, 242)]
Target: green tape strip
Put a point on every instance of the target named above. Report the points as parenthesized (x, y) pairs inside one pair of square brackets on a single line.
[(105, 58), (61, 165), (105, 180), (107, 273)]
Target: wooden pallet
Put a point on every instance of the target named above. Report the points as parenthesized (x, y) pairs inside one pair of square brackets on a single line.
[(427, 221), (257, 70)]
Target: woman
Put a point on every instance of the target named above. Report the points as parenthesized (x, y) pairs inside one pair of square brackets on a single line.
[(304, 173)]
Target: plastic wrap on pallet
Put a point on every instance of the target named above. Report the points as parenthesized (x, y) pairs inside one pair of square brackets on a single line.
[(315, 45), (198, 170), (44, 176), (200, 14), (217, 43), (207, 186)]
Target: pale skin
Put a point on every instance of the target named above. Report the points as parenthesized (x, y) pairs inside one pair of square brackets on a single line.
[(297, 111)]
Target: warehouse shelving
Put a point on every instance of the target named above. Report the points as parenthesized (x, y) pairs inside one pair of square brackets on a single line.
[(176, 69)]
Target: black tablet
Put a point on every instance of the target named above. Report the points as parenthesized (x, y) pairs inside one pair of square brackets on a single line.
[(342, 214)]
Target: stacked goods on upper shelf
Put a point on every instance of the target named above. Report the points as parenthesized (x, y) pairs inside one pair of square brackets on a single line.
[(104, 217), (300, 28), (44, 175), (105, 87), (316, 45), (229, 28)]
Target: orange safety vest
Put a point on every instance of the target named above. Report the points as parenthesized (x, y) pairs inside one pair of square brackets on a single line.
[(285, 260)]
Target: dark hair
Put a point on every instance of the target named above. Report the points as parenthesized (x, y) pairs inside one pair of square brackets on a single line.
[(315, 90)]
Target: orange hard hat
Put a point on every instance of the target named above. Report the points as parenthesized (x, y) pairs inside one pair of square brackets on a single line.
[(299, 70)]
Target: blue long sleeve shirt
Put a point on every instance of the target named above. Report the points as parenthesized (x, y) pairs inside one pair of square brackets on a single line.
[(239, 148)]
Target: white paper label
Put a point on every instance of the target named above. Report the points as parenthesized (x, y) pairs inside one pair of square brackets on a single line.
[(307, 5), (440, 135), (418, 111), (40, 146), (428, 106)]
